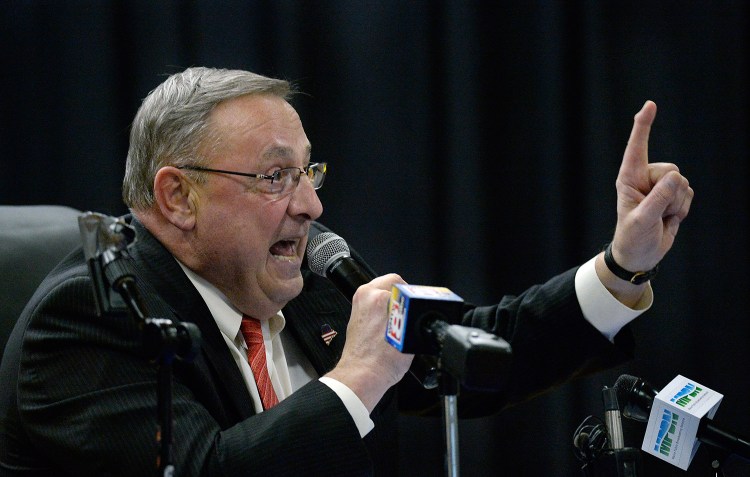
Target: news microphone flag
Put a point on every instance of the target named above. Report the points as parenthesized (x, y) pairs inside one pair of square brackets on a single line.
[(672, 429), (411, 308)]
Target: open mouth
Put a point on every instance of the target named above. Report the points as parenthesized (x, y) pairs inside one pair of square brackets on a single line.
[(285, 249)]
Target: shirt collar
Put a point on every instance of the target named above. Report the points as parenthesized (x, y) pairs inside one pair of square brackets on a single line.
[(227, 317)]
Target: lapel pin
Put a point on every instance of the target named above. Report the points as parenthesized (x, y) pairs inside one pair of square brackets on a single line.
[(327, 333)]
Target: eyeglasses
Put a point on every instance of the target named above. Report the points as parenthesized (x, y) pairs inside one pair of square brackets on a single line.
[(282, 182)]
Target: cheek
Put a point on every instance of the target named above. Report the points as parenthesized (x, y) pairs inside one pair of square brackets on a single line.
[(255, 228), (242, 228)]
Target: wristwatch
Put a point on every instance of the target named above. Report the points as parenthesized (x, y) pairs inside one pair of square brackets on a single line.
[(636, 278)]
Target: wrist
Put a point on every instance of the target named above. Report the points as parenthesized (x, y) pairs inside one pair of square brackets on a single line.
[(634, 277), (625, 292), (368, 387)]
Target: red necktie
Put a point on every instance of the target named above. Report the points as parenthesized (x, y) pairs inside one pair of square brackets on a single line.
[(256, 356)]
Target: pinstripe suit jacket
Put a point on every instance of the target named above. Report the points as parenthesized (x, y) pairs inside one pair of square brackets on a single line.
[(79, 394)]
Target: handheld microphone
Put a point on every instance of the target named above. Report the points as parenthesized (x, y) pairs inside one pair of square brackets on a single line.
[(426, 324), (638, 396), (328, 255)]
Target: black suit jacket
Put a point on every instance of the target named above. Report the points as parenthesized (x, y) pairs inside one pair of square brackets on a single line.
[(79, 395)]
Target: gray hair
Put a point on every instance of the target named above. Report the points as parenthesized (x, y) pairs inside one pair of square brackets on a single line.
[(172, 123)]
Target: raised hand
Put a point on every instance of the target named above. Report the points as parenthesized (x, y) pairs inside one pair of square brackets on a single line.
[(652, 200)]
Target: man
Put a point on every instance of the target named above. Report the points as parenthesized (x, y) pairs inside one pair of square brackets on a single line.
[(221, 185)]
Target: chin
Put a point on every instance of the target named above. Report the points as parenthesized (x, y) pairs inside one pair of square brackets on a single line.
[(289, 290)]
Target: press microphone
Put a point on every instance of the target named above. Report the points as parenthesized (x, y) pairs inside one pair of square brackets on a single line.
[(106, 241), (427, 324), (328, 255), (637, 397), (424, 313)]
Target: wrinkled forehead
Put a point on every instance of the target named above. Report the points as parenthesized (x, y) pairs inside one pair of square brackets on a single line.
[(251, 112), (266, 123)]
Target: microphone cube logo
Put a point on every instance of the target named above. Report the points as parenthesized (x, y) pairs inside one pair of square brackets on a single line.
[(394, 333), (672, 430), (667, 429), (411, 307), (689, 392)]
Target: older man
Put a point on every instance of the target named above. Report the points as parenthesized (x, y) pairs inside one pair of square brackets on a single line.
[(222, 189)]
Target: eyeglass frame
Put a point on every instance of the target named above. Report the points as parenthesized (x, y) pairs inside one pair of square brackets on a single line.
[(275, 176)]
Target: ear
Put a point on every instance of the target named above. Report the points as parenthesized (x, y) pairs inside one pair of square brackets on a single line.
[(173, 191)]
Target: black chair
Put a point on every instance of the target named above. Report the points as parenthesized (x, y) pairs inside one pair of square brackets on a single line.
[(33, 239)]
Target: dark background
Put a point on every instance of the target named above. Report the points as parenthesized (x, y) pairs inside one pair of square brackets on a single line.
[(471, 145)]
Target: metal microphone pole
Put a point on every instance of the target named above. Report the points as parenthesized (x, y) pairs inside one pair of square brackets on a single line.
[(469, 356), (449, 393)]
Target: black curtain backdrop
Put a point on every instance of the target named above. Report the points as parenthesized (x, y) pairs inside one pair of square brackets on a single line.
[(472, 145)]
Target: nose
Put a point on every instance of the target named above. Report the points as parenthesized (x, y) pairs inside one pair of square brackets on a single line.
[(304, 200)]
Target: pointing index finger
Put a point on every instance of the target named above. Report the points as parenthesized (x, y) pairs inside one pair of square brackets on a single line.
[(636, 153)]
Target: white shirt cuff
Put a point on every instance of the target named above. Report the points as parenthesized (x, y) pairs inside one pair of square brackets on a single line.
[(600, 307), (353, 404)]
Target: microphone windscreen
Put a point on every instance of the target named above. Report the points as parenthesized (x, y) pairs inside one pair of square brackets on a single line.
[(635, 396), (624, 385), (323, 250)]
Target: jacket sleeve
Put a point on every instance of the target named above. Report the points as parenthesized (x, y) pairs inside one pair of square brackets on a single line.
[(551, 343)]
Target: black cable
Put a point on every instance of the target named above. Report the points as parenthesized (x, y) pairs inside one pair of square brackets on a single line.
[(590, 439)]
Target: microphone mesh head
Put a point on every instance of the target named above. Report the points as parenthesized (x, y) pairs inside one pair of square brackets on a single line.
[(323, 250), (634, 401), (624, 384)]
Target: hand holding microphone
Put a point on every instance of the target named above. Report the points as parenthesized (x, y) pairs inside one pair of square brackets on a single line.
[(427, 319), (368, 365)]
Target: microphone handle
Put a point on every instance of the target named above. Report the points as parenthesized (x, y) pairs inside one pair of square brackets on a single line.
[(712, 435), (347, 275)]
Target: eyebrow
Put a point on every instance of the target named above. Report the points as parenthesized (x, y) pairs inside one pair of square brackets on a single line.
[(283, 152)]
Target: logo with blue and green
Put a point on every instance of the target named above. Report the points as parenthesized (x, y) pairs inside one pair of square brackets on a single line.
[(672, 430), (688, 392)]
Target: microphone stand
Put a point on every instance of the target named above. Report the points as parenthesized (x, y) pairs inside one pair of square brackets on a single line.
[(468, 356), (105, 243), (448, 386), (717, 458)]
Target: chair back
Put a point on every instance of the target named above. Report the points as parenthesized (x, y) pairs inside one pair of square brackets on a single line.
[(33, 239)]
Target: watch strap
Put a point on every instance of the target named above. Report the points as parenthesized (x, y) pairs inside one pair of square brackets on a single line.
[(636, 278)]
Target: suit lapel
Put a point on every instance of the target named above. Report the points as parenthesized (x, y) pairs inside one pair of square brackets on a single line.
[(318, 305)]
